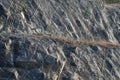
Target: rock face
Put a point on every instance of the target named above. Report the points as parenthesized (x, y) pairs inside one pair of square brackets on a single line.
[(29, 50)]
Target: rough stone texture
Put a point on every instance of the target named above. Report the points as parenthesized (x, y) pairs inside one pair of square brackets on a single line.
[(24, 57)]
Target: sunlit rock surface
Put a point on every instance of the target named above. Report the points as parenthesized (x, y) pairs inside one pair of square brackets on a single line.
[(24, 57)]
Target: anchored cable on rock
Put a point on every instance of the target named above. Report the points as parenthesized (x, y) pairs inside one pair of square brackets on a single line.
[(74, 42)]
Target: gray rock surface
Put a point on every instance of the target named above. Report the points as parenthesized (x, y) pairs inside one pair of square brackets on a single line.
[(52, 40)]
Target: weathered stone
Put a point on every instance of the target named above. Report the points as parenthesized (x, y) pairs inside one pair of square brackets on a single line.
[(36, 75), (5, 63), (50, 59), (68, 50), (2, 49), (94, 47), (59, 40), (25, 63), (2, 11), (8, 73)]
